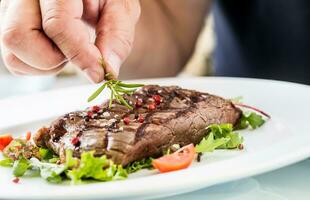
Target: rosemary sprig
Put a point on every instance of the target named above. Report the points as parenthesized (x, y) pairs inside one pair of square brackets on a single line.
[(117, 89)]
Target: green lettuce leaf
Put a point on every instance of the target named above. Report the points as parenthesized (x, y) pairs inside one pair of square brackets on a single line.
[(70, 160), (98, 168), (209, 144), (48, 171), (88, 167), (145, 163), (20, 167), (7, 162), (219, 137), (45, 154)]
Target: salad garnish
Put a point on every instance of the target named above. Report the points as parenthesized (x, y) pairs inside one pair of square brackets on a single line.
[(88, 167)]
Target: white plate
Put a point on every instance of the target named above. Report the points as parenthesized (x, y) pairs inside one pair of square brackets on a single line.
[(283, 140)]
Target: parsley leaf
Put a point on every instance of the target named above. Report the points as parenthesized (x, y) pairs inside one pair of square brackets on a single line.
[(253, 120)]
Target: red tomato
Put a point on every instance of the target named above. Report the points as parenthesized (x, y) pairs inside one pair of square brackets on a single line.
[(28, 135), (180, 159), (5, 140)]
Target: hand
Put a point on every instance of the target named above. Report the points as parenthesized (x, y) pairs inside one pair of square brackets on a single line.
[(39, 36)]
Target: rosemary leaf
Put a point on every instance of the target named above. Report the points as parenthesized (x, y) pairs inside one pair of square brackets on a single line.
[(124, 90), (117, 89), (130, 85), (96, 93), (111, 99), (122, 100), (115, 94)]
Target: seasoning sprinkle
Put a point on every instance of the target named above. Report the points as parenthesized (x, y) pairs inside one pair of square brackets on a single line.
[(16, 180), (199, 157), (157, 99), (140, 119), (151, 106), (138, 103), (126, 120), (90, 114), (75, 141), (95, 109)]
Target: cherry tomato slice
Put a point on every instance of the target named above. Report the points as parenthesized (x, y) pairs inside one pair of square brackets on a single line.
[(180, 159), (5, 140), (28, 135)]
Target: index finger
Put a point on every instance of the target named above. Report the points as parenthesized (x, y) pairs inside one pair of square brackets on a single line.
[(62, 23)]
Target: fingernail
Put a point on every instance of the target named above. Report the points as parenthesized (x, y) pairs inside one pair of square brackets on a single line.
[(114, 62), (93, 75)]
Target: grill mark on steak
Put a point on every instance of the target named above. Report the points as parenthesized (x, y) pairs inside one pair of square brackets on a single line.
[(180, 118), (166, 106)]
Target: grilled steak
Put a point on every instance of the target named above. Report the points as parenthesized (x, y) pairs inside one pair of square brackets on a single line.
[(162, 116)]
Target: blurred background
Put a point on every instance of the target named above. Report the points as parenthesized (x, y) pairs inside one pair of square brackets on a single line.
[(199, 65)]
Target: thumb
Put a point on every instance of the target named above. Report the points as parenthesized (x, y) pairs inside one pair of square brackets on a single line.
[(115, 32)]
